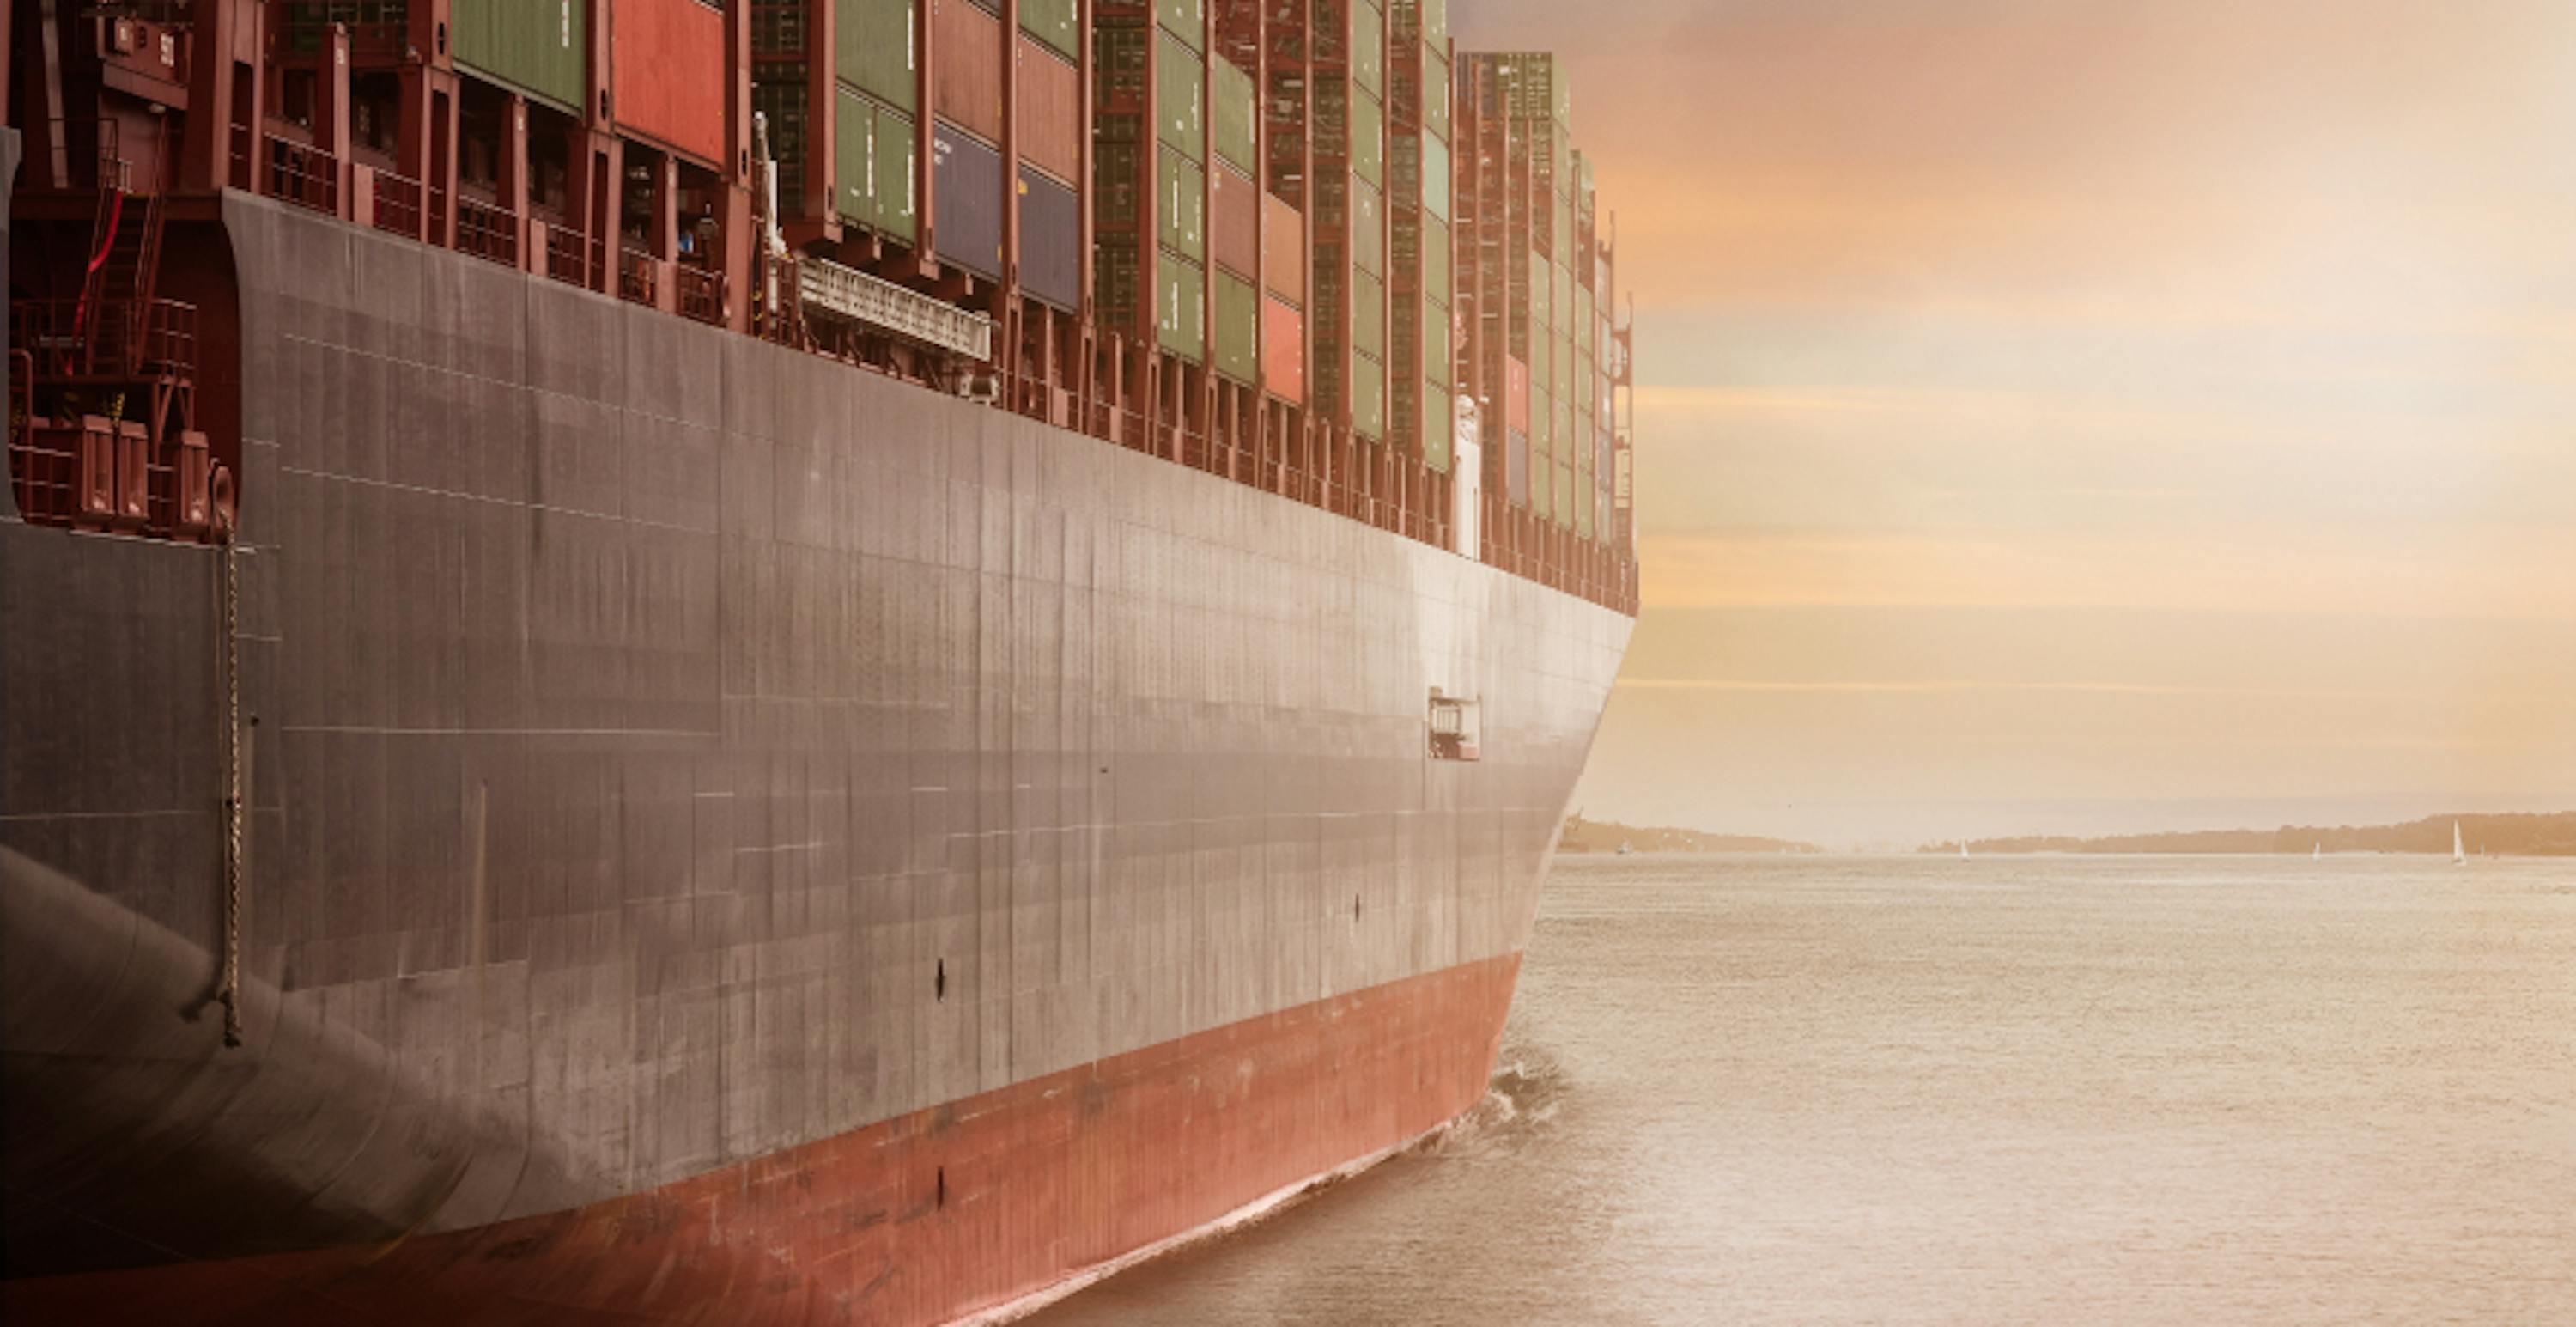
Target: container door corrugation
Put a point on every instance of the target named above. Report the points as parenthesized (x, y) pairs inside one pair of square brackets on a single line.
[(1436, 94), (1368, 314), (966, 185), (1516, 467), (1180, 307), (875, 184), (966, 77), (1237, 314), (1516, 389), (1435, 262), (1058, 23), (1283, 351), (1283, 251), (1435, 177), (1181, 200), (1050, 241), (669, 83), (880, 43), (537, 46), (1180, 109), (1236, 224), (1435, 341), (1050, 111)]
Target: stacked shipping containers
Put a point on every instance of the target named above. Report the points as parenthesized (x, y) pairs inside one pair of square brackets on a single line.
[(1419, 214), (1150, 177)]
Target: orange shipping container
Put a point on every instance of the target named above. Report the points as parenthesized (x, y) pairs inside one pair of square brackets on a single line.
[(1237, 223), (966, 72), (667, 79), (1283, 351), (1283, 251), (1050, 110), (1516, 396)]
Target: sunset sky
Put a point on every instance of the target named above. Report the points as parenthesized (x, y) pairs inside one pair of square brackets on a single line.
[(2083, 415)]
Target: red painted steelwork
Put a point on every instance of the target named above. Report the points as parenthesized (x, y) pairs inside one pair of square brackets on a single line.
[(966, 57), (1050, 112), (916, 1219)]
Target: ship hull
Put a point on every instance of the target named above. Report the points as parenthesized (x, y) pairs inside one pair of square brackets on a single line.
[(697, 794)]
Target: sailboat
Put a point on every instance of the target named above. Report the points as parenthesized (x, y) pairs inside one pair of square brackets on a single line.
[(2317, 853), (1963, 850), (2459, 854)]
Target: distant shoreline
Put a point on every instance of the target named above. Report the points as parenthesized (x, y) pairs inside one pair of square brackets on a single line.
[(2551, 834)]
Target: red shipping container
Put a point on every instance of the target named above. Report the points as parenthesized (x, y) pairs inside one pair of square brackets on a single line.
[(1283, 351), (1236, 202), (1050, 110), (966, 67), (1283, 251), (667, 79), (1515, 394)]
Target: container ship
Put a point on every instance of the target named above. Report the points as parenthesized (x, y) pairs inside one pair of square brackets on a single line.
[(770, 661)]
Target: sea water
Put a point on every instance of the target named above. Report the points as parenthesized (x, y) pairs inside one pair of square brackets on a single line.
[(2192, 1090)]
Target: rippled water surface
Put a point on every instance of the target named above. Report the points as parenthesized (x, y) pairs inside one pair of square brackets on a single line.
[(2146, 1090)]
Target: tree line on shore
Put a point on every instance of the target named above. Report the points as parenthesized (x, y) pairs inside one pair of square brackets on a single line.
[(2549, 834)]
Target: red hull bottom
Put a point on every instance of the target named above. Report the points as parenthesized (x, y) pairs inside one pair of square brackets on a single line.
[(922, 1218)]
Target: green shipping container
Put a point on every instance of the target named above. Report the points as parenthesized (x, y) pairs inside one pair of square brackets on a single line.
[(1177, 106), (1368, 313), (1435, 93), (1435, 177), (1368, 398), (1435, 261), (873, 171), (1058, 23), (1583, 321), (880, 45), (1560, 301), (1238, 328), (1539, 287), (1368, 228), (1186, 17), (1368, 46), (1180, 307), (536, 46), (1435, 342), (1182, 204), (1439, 426), (1368, 138), (1231, 130), (1542, 421), (1571, 511)]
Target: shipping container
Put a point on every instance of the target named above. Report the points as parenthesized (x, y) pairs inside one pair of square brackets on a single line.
[(1283, 251), (879, 51), (1050, 111), (1439, 426), (1516, 401), (1186, 19), (1368, 228), (1436, 256), (1050, 240), (1435, 342), (1234, 223), (966, 67), (1437, 94), (1179, 111), (540, 47), (668, 75), (1180, 307), (1058, 23), (1368, 46), (875, 168), (1368, 314), (1368, 398), (1368, 138), (1236, 313), (966, 188), (1182, 206), (1516, 467), (1283, 351), (1233, 131)]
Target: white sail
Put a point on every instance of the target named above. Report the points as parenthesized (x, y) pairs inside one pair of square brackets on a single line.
[(2317, 853), (2459, 855), (1963, 850)]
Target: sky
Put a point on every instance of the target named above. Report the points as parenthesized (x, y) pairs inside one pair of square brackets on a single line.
[(2083, 415)]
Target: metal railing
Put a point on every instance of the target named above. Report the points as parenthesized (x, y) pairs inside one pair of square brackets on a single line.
[(701, 293), (487, 232), (572, 256), (304, 175), (397, 203), (123, 338), (638, 276)]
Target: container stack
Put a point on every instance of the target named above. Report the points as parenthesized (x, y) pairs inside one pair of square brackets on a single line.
[(1150, 208), (1423, 422)]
